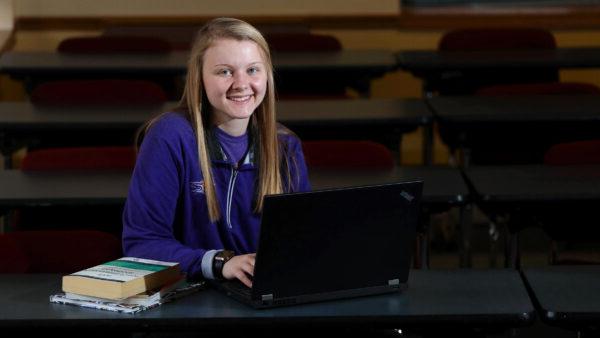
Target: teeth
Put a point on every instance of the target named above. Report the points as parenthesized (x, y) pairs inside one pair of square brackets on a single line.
[(239, 98)]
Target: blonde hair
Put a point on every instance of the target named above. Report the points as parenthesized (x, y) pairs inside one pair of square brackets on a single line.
[(194, 101)]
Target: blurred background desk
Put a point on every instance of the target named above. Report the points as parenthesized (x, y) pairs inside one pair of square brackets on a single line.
[(562, 200), (436, 67), (567, 296), (459, 300), (515, 129)]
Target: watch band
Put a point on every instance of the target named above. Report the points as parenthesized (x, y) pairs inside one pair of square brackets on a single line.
[(219, 261)]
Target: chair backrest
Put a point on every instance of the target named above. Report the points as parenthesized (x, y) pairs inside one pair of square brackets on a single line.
[(80, 158), (98, 92), (302, 42), (579, 152), (497, 39), (551, 88), (179, 37), (347, 154), (56, 251), (114, 45)]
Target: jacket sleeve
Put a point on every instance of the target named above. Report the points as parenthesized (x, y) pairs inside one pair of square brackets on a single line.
[(150, 210)]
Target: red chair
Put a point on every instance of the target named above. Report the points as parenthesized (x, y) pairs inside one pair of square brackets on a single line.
[(56, 251), (302, 42), (467, 82), (180, 37), (347, 154), (98, 92), (580, 152), (80, 159), (497, 39)]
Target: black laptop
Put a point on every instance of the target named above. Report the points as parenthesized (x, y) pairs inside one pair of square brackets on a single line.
[(332, 244)]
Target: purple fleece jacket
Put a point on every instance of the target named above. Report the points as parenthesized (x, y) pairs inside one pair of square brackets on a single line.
[(165, 216)]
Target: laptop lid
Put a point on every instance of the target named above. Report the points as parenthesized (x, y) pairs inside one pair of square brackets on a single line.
[(335, 243)]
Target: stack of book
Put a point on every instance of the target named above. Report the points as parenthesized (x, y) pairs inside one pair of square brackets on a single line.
[(127, 285)]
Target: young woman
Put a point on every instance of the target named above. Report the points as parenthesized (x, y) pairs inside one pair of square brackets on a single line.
[(202, 171)]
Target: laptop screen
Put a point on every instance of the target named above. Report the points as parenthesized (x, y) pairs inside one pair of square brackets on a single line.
[(341, 239)]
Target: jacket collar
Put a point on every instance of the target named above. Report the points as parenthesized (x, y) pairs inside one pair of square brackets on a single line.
[(217, 154)]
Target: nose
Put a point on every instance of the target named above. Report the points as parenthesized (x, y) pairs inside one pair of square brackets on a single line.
[(240, 81)]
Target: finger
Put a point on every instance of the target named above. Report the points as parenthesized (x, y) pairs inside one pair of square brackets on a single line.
[(244, 279), (248, 268)]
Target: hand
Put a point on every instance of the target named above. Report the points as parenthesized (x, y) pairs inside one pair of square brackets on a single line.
[(240, 267)]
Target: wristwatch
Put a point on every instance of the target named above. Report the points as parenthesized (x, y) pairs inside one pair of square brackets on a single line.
[(219, 261)]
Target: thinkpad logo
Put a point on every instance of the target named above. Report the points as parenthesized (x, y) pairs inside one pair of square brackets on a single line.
[(407, 196)]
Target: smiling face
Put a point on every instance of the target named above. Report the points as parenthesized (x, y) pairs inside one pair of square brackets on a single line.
[(235, 80)]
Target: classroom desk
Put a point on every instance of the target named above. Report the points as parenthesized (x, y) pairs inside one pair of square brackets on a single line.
[(505, 190), (353, 67), (434, 66), (480, 124), (434, 300), (443, 189), (383, 120), (566, 296)]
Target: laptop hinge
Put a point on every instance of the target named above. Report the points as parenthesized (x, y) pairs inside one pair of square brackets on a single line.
[(394, 282), (267, 298)]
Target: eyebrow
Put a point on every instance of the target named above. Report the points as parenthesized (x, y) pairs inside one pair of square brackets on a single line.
[(228, 65)]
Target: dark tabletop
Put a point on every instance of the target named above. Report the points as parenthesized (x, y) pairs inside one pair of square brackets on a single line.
[(535, 183), (408, 112), (21, 64), (517, 109), (18, 188), (567, 296), (474, 298), (431, 61), (442, 185)]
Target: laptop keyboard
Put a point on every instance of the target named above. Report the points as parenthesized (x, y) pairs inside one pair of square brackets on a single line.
[(238, 287)]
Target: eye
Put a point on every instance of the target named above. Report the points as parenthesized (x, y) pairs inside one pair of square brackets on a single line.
[(224, 72), (253, 70)]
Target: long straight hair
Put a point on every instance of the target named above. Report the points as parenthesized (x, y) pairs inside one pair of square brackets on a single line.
[(195, 103)]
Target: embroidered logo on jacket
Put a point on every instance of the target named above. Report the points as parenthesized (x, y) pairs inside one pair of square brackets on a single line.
[(197, 187)]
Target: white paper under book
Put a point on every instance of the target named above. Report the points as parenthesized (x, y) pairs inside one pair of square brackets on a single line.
[(134, 304)]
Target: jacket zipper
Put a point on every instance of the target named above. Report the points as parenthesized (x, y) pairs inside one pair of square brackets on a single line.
[(234, 173)]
